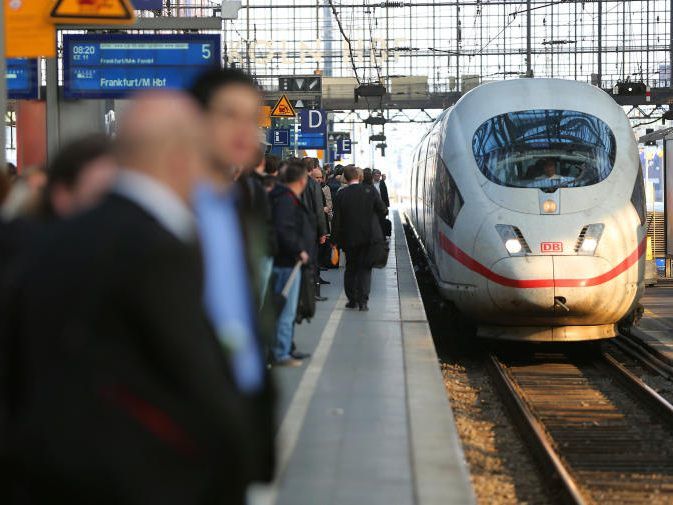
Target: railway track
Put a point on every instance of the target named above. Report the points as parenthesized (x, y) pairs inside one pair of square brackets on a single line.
[(647, 355), (601, 434)]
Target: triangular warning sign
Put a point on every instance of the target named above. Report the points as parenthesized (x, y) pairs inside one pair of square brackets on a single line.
[(283, 108), (92, 12)]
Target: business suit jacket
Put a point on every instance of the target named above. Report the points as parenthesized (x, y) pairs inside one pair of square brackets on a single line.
[(118, 389), (384, 193), (313, 199), (357, 211)]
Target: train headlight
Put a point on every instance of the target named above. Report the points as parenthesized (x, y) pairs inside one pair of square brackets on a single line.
[(513, 240), (549, 207), (513, 246), (588, 239)]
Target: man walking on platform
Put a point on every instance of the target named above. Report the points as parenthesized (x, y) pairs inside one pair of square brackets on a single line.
[(380, 186), (357, 211)]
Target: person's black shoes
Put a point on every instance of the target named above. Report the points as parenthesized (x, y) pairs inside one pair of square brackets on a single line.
[(351, 305), (364, 308), (321, 298), (323, 281), (300, 355)]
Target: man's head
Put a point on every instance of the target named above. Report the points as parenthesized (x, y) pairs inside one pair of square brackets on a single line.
[(376, 174), (271, 165), (80, 175), (232, 102), (351, 174), (549, 168), (367, 176), (294, 176), (162, 135), (317, 174), (308, 163), (259, 164)]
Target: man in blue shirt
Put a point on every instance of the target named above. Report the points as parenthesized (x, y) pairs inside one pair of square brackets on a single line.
[(230, 236)]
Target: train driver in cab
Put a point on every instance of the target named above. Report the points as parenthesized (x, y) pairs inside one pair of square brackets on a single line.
[(549, 170)]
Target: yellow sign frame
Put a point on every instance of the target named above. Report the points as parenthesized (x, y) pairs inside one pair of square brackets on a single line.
[(127, 16)]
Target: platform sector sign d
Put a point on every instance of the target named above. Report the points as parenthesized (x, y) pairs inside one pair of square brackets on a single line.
[(92, 12), (283, 108), (313, 121)]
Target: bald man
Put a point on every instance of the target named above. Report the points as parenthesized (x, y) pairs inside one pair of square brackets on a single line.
[(120, 390)]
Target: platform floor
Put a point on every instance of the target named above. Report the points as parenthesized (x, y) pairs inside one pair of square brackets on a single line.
[(366, 420), (656, 326)]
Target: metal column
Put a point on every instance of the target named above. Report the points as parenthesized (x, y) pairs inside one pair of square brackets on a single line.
[(3, 89), (53, 140), (600, 44), (529, 34), (670, 45)]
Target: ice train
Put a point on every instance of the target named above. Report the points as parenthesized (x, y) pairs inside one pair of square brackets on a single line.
[(527, 198)]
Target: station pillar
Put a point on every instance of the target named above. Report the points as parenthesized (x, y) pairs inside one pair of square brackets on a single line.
[(31, 133)]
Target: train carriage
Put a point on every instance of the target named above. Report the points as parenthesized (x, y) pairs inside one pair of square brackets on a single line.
[(528, 199)]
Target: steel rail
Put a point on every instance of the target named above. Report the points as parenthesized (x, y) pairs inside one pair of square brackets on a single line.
[(533, 430)]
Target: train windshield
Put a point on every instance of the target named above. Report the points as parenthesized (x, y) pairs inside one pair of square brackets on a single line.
[(546, 149)]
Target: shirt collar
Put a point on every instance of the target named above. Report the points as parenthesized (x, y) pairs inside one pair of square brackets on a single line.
[(159, 201)]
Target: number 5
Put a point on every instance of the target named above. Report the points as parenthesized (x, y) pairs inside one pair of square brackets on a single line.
[(205, 51)]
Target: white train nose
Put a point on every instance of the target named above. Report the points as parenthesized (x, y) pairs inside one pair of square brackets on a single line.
[(556, 289)]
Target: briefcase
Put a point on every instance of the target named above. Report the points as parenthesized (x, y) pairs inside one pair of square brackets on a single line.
[(306, 305), (387, 227)]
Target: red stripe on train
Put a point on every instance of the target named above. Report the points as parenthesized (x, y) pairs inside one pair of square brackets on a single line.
[(462, 257)]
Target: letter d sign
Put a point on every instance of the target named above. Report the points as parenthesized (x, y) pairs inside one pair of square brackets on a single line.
[(313, 121)]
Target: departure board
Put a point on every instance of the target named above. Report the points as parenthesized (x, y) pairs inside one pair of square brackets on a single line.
[(113, 66), (22, 78)]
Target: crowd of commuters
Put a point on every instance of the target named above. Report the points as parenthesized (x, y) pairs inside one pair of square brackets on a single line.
[(148, 284)]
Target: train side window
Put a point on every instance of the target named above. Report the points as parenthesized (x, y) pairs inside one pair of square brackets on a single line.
[(449, 200)]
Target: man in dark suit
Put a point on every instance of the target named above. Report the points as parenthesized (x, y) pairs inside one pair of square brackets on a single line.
[(117, 388), (357, 212), (380, 186), (312, 198)]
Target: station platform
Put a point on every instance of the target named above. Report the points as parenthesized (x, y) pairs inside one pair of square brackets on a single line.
[(367, 420), (656, 326)]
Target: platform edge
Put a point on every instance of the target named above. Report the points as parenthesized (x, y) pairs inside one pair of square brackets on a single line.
[(440, 471)]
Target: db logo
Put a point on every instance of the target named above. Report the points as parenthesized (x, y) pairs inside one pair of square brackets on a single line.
[(551, 247)]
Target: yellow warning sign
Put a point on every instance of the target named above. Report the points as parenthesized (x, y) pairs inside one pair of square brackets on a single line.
[(283, 108), (92, 12), (28, 32)]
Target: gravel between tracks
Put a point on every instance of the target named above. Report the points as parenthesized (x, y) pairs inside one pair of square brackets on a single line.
[(501, 467)]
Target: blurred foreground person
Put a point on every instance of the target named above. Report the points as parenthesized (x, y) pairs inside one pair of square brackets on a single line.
[(117, 389), (81, 173), (25, 196), (232, 218), (79, 176), (295, 232), (356, 226)]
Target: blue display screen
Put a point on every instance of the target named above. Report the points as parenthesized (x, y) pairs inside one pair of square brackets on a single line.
[(22, 79), (311, 141), (112, 66)]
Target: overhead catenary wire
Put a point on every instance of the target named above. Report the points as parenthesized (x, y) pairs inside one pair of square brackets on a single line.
[(346, 39)]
